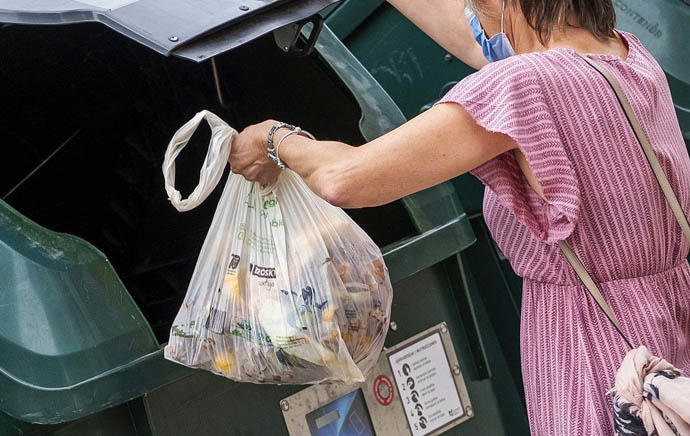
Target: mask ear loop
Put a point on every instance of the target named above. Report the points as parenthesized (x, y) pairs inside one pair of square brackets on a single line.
[(503, 8), (510, 46)]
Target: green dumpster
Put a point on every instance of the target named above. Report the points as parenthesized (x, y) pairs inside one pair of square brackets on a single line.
[(90, 112)]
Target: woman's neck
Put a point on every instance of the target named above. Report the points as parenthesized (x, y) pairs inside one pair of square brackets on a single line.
[(522, 36), (524, 39)]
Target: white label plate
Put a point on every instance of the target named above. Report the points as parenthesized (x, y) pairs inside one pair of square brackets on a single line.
[(426, 385)]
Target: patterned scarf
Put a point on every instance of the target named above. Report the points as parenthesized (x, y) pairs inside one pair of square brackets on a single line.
[(651, 398)]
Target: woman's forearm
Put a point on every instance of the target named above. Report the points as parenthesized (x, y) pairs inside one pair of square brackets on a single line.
[(444, 21), (436, 145), (324, 165)]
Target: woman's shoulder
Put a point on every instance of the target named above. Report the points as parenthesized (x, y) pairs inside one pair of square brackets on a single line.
[(511, 79), (534, 65), (544, 75), (520, 66)]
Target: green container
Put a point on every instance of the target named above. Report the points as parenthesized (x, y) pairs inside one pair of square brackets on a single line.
[(80, 348)]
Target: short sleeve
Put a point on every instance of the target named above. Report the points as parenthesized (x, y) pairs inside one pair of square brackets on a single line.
[(510, 97)]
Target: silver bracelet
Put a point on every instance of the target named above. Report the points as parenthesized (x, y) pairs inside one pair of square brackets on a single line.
[(274, 153), (270, 149)]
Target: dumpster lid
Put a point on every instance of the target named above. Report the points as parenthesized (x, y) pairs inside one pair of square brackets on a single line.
[(194, 30)]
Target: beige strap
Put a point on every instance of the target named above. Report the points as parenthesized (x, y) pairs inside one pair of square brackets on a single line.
[(591, 287), (647, 148), (661, 178)]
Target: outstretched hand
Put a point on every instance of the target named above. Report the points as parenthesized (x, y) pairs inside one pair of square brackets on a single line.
[(248, 154)]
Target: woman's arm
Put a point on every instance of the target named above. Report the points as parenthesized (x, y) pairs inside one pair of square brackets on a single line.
[(444, 21), (437, 145)]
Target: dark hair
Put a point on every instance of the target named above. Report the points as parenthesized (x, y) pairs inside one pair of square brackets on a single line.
[(597, 16)]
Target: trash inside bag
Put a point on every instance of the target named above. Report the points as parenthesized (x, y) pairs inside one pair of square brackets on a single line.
[(287, 288)]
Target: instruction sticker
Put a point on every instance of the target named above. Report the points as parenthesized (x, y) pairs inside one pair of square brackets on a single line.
[(426, 385)]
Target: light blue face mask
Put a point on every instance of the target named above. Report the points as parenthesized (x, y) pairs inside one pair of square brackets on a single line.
[(495, 48)]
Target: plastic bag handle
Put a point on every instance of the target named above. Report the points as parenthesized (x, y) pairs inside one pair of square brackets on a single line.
[(219, 146)]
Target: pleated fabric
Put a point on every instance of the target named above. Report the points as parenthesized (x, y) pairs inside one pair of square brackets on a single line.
[(602, 197)]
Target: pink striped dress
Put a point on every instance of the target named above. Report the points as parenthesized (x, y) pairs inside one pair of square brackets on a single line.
[(603, 198)]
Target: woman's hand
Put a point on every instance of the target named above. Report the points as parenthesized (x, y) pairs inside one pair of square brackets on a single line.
[(248, 154)]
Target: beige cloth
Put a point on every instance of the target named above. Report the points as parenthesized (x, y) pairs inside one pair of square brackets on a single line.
[(650, 389)]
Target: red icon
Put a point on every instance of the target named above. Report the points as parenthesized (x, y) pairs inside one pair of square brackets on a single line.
[(383, 390)]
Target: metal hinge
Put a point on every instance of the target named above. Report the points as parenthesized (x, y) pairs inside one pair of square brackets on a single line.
[(288, 37)]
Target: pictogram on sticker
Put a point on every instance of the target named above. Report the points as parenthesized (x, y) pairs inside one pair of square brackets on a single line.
[(383, 390)]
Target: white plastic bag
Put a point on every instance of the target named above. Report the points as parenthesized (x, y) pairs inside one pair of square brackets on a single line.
[(287, 288)]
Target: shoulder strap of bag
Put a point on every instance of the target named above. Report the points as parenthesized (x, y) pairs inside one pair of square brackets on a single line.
[(661, 178)]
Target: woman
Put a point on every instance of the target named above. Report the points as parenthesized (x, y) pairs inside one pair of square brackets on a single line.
[(544, 132)]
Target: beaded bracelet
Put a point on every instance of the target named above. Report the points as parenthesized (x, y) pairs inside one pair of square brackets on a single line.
[(272, 154)]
